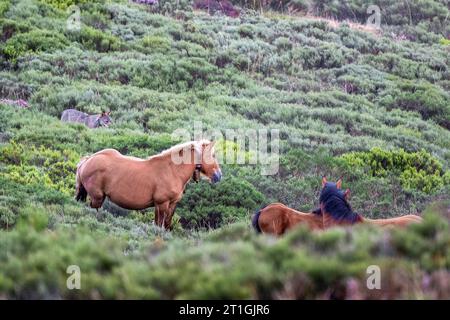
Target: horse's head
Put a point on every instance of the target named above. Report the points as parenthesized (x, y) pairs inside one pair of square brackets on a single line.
[(208, 164), (104, 119), (334, 186), (201, 155), (334, 201)]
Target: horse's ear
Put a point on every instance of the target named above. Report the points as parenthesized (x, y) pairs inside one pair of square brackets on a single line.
[(212, 143), (324, 181), (339, 184), (347, 194)]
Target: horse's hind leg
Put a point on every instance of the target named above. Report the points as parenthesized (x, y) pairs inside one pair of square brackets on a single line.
[(97, 201)]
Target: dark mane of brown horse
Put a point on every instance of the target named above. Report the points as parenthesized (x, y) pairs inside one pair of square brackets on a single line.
[(334, 203)]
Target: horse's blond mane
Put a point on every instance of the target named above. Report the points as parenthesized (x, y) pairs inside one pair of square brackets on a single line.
[(181, 146)]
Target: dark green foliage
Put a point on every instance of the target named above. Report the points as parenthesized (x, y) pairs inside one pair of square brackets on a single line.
[(418, 170), (94, 39), (248, 266), (32, 42), (429, 101), (206, 206)]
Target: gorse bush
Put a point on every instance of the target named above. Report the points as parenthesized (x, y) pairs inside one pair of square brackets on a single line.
[(64, 4), (40, 166), (32, 42), (207, 206), (417, 170), (94, 39)]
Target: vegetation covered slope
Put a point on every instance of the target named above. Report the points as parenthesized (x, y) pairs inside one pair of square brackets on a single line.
[(373, 108)]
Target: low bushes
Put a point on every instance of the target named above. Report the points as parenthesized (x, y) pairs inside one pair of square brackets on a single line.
[(32, 42), (93, 39), (40, 166), (416, 170), (210, 206), (229, 263)]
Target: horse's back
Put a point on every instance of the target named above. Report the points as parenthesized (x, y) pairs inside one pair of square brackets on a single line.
[(273, 219), (276, 205), (117, 156), (278, 218), (413, 218), (108, 152), (401, 221)]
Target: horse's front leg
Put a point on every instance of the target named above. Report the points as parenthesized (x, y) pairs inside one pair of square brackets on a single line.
[(157, 216), (168, 218), (161, 212)]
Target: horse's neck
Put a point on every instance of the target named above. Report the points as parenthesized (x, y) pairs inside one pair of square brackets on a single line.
[(182, 172)]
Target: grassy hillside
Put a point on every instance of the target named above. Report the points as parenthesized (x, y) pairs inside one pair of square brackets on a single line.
[(370, 106)]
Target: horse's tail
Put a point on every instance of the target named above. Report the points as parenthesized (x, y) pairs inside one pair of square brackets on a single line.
[(255, 220), (81, 193)]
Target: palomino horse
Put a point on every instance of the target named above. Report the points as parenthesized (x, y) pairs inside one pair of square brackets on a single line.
[(134, 183), (336, 210), (276, 218)]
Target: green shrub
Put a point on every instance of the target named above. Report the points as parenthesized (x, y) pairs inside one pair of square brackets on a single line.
[(64, 4), (416, 170), (32, 42), (11, 27), (4, 6), (40, 166), (93, 39), (7, 216), (444, 42), (156, 43), (211, 206)]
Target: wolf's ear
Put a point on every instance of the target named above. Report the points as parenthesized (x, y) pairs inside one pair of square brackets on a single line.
[(324, 181), (339, 184)]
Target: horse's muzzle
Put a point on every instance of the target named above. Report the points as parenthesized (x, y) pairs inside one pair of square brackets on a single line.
[(217, 176)]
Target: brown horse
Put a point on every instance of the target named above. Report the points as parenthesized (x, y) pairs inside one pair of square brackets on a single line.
[(134, 183), (336, 210), (276, 218)]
